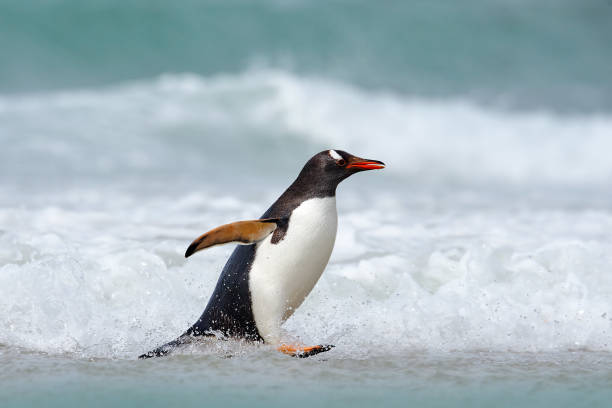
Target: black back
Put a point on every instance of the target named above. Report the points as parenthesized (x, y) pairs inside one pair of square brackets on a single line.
[(229, 309)]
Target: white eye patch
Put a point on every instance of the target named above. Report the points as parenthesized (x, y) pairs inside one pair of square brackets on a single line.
[(334, 155)]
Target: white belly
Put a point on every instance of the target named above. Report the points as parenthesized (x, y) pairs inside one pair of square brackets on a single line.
[(283, 274)]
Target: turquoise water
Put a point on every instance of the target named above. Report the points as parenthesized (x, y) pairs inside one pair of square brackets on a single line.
[(510, 52), (266, 379), (473, 271)]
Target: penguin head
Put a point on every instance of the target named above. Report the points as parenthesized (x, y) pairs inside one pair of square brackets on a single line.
[(330, 167)]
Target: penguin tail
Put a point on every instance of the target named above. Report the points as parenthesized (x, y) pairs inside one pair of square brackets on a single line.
[(165, 349)]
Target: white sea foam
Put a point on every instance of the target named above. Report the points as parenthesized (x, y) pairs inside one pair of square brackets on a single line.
[(102, 190), (111, 281)]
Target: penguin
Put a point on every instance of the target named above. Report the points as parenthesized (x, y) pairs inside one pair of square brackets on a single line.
[(279, 259)]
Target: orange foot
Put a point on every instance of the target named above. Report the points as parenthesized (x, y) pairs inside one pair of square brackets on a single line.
[(303, 352)]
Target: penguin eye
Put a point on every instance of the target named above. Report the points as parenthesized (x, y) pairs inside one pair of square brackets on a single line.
[(341, 162)]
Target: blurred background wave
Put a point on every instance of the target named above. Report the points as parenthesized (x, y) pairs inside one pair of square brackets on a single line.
[(499, 93)]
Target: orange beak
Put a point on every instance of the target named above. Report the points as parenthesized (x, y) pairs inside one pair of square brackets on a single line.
[(365, 164)]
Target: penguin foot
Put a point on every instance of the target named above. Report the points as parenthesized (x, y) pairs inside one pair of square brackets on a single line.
[(303, 352)]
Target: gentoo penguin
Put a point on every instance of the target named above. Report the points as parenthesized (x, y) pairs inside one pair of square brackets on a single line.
[(280, 259)]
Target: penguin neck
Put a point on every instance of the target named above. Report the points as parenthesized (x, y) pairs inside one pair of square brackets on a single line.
[(308, 185)]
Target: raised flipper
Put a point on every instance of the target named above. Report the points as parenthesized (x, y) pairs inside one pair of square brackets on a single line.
[(303, 352), (241, 232)]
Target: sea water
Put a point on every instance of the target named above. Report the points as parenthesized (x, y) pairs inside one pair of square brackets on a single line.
[(474, 269)]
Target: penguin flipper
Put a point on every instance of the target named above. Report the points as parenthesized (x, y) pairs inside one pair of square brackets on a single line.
[(303, 352), (240, 232)]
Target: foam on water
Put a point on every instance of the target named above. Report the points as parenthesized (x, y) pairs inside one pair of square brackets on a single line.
[(112, 281), (440, 251)]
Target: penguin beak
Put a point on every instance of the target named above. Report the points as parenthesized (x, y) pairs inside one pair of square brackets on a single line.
[(364, 164)]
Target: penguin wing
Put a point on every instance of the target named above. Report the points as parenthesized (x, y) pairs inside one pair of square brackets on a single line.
[(240, 232)]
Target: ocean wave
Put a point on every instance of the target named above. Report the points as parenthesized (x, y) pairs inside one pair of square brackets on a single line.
[(179, 124)]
